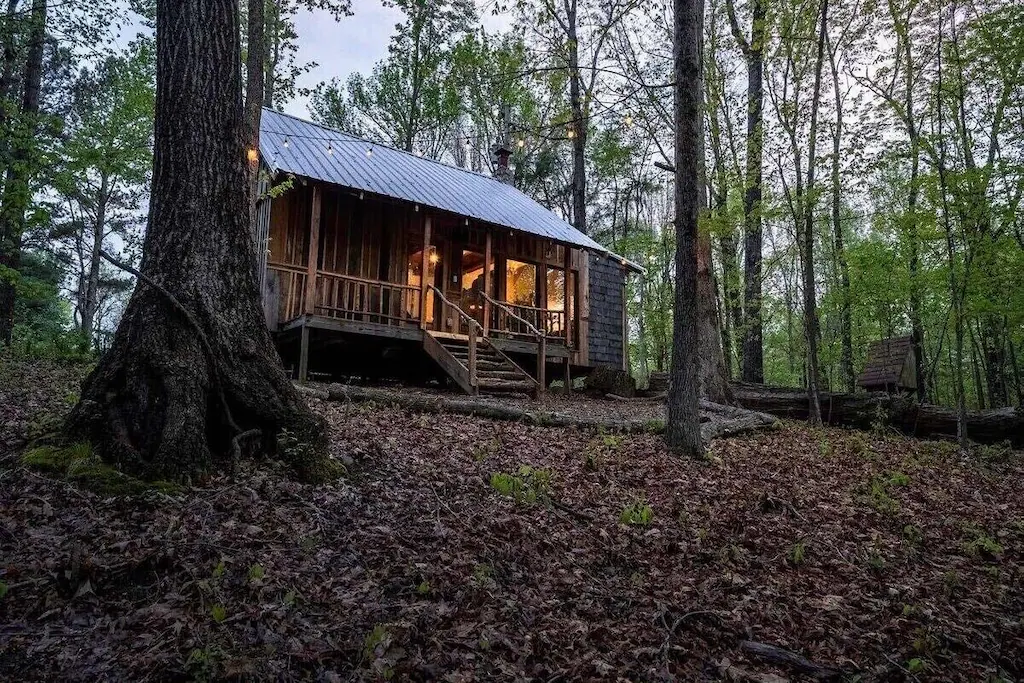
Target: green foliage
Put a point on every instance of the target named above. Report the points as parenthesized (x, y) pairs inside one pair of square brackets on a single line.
[(913, 535), (982, 545), (3, 589), (878, 492), (218, 613), (798, 553), (637, 513), (256, 573), (529, 486)]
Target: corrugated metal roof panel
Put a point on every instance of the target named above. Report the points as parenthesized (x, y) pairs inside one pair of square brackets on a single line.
[(394, 173)]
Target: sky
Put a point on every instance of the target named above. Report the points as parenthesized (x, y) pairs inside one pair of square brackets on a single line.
[(356, 43)]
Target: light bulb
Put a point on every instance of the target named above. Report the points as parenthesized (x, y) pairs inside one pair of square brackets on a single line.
[(285, 143), (252, 155), (521, 143), (571, 133), (629, 120), (330, 149), (369, 152)]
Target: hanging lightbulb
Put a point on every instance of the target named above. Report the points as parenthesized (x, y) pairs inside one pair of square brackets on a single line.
[(252, 155), (330, 149), (629, 120), (571, 133), (286, 142), (369, 152), (521, 143), (419, 152)]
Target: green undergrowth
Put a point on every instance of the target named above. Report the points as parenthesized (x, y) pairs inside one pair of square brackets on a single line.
[(77, 464)]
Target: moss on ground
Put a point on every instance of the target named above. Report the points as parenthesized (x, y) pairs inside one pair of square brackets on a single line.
[(78, 464)]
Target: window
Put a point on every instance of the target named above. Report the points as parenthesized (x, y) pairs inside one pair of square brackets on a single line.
[(415, 265), (520, 283)]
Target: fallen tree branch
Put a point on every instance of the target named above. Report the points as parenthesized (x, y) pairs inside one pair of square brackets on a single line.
[(711, 426), (783, 657)]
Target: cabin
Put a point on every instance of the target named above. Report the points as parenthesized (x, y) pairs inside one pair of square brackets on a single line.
[(890, 366), (378, 263)]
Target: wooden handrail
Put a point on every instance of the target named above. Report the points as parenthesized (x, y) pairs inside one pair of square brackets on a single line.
[(353, 278), (461, 312), (508, 309), (542, 339)]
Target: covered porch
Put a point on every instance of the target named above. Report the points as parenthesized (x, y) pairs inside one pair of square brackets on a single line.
[(360, 264)]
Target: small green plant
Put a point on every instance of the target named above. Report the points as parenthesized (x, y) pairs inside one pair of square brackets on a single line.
[(824, 448), (916, 665), (611, 441), (423, 588), (483, 575), (219, 569), (256, 573), (913, 535), (482, 451), (637, 513), (377, 642), (984, 546), (78, 464), (218, 613), (950, 583), (798, 553), (878, 492), (874, 559), (530, 485), (3, 589), (204, 663)]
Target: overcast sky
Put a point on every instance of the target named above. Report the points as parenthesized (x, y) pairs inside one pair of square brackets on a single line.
[(340, 48), (355, 43)]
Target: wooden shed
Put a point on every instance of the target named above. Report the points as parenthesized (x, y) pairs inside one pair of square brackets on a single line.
[(890, 366), (381, 262)]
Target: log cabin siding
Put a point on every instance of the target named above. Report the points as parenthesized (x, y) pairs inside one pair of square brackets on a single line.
[(606, 297)]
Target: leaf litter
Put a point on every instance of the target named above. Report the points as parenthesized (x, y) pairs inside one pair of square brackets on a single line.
[(885, 557)]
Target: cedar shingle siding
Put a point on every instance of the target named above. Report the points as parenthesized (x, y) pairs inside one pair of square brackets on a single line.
[(607, 279)]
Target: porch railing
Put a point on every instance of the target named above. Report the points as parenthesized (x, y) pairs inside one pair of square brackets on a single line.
[(345, 296), (521, 321), (291, 290), (356, 298)]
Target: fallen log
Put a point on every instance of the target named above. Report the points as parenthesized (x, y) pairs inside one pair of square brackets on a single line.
[(873, 410), (717, 421)]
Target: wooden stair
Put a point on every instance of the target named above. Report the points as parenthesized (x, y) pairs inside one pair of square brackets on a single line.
[(484, 369)]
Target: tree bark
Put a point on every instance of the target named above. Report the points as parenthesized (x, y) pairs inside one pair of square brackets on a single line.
[(192, 369), (579, 127), (254, 83), (845, 315), (92, 284), (17, 192), (683, 427)]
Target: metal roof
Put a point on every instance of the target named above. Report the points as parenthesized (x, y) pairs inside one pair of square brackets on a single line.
[(321, 153)]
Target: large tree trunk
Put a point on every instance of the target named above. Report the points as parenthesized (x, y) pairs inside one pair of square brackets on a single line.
[(17, 191), (871, 410), (683, 428), (184, 382)]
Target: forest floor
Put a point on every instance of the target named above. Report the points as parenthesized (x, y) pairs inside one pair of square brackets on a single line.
[(588, 557)]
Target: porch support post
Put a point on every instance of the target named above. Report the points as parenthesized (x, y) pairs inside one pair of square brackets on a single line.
[(569, 296), (424, 287), (542, 288), (487, 281), (303, 352), (314, 251)]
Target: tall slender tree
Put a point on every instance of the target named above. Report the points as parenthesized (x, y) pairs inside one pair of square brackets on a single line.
[(753, 52), (683, 429), (17, 191)]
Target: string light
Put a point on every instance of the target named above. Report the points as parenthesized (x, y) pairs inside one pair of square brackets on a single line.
[(521, 143), (369, 152), (419, 152), (570, 133), (252, 155), (286, 142), (330, 149), (629, 119)]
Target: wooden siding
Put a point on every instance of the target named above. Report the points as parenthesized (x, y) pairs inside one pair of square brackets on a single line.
[(607, 287)]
